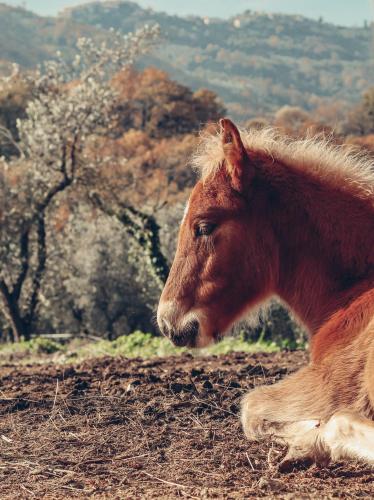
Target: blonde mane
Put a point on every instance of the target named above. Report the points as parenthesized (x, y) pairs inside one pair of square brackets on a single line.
[(346, 167)]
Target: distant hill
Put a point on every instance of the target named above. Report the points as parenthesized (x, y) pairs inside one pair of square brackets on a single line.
[(28, 39), (255, 62)]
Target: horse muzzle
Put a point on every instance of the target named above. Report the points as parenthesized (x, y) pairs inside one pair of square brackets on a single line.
[(183, 332)]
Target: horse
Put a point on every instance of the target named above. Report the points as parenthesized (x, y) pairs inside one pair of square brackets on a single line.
[(291, 218)]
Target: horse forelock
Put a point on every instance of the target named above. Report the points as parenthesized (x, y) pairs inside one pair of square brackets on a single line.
[(343, 166)]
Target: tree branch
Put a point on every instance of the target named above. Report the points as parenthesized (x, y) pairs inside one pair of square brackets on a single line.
[(43, 205), (8, 137), (145, 230)]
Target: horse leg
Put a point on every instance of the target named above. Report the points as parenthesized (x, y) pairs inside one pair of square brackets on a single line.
[(268, 412), (347, 435), (284, 409), (308, 410), (291, 412)]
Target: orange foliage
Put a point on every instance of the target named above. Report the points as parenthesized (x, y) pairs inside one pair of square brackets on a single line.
[(150, 101), (142, 171)]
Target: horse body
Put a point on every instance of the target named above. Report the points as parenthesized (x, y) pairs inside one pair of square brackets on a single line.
[(297, 221)]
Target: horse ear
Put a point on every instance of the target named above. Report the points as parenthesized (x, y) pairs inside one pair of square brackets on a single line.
[(237, 160)]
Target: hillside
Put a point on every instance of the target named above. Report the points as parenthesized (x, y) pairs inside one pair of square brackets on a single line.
[(28, 39), (256, 62)]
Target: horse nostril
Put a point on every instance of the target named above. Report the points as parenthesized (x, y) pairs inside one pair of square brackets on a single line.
[(193, 328), (187, 335)]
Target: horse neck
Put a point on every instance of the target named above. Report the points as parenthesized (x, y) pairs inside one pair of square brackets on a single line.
[(326, 243)]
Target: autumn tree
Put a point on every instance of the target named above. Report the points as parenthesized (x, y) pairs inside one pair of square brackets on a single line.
[(208, 107), (71, 101), (291, 119), (151, 102), (360, 120), (143, 171), (257, 123)]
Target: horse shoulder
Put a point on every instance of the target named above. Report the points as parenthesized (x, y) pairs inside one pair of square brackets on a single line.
[(346, 328)]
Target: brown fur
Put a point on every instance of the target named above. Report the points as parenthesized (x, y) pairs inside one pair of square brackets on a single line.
[(300, 227)]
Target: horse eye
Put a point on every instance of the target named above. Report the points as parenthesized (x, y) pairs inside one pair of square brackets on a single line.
[(204, 229)]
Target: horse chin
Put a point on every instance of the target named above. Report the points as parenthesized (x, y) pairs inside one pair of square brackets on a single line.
[(190, 343), (205, 340)]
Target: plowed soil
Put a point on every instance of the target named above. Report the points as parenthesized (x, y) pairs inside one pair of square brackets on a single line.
[(161, 428)]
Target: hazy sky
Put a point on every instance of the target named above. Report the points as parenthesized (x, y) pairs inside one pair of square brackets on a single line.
[(346, 12)]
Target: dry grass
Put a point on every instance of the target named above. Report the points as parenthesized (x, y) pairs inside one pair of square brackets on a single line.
[(164, 428)]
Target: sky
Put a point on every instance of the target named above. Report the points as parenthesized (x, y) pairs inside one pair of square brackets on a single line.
[(344, 12)]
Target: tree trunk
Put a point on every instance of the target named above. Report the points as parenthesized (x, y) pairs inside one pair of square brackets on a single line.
[(12, 313)]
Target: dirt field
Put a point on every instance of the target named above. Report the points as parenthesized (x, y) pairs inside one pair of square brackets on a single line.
[(161, 428)]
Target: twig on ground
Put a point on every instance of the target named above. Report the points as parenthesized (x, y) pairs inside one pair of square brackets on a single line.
[(27, 490), (216, 407), (170, 483), (249, 460), (54, 401)]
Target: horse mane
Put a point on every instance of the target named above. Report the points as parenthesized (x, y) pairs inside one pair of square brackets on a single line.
[(345, 167)]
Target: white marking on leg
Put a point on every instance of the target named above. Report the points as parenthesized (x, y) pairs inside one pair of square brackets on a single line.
[(349, 435)]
